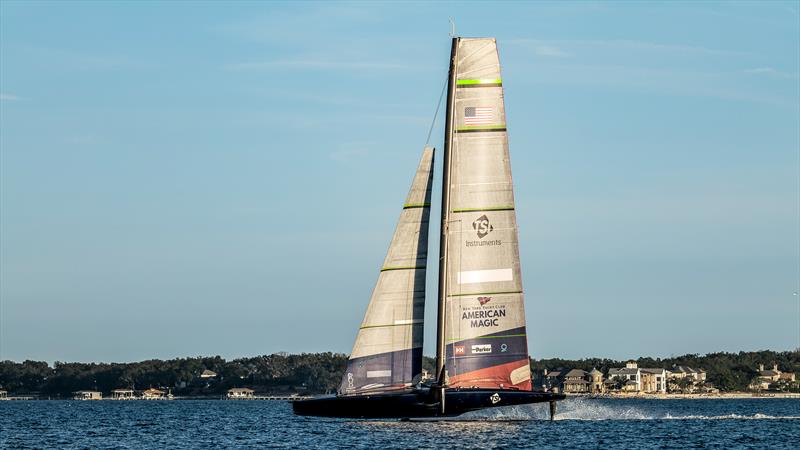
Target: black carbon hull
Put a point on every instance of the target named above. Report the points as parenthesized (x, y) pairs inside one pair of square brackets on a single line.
[(417, 403)]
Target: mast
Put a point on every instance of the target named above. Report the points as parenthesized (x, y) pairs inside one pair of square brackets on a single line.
[(443, 236)]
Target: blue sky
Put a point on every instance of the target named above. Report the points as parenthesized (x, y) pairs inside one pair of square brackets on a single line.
[(203, 178)]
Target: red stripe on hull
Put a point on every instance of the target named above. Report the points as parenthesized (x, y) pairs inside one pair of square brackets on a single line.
[(492, 377)]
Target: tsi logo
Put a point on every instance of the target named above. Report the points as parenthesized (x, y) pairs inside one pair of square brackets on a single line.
[(481, 348), (482, 226)]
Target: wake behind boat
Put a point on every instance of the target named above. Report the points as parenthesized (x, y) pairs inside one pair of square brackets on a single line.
[(482, 351)]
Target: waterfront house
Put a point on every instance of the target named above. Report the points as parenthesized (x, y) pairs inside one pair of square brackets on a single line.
[(87, 395), (769, 375), (654, 380), (773, 379), (153, 394), (3, 394), (551, 380), (631, 373), (575, 382), (680, 372), (240, 393), (123, 394), (759, 384), (787, 376), (206, 374), (596, 385)]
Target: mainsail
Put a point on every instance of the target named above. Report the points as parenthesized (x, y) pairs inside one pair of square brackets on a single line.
[(484, 337), (387, 354)]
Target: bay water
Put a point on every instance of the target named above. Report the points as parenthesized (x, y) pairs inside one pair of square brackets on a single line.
[(580, 423)]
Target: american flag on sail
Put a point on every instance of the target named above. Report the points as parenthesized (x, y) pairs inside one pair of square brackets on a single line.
[(478, 115)]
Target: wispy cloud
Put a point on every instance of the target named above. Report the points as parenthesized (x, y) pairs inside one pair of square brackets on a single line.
[(567, 47), (51, 58), (315, 64), (722, 85), (9, 97), (300, 26), (352, 151), (770, 71), (549, 50), (653, 46)]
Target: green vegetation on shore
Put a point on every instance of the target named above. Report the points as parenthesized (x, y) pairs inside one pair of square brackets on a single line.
[(726, 371), (314, 373)]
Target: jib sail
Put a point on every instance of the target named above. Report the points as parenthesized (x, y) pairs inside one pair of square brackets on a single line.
[(484, 338), (387, 354)]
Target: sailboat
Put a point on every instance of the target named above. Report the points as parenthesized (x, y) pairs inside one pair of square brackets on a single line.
[(481, 350)]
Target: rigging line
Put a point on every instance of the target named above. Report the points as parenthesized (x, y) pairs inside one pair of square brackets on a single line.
[(438, 106)]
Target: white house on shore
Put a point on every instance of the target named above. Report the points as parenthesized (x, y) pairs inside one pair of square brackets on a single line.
[(154, 394), (87, 395), (631, 373), (123, 394), (240, 393)]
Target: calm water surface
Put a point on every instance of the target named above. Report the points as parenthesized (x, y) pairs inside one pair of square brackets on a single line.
[(581, 423)]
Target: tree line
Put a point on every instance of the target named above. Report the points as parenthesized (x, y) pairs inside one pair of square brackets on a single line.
[(726, 371), (315, 373), (277, 373)]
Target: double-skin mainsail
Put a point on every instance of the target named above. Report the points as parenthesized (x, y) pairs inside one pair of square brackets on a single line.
[(482, 317)]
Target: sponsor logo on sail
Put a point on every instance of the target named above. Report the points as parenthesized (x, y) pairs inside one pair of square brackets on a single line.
[(458, 349), (482, 226), (481, 349), (484, 300), (480, 318), (495, 398), (503, 348)]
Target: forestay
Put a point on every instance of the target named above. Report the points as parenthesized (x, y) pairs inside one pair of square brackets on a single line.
[(485, 333), (387, 354)]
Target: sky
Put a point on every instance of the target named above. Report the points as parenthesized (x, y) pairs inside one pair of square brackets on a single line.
[(182, 179)]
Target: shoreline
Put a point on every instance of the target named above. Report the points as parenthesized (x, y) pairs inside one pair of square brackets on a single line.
[(719, 396), (617, 396)]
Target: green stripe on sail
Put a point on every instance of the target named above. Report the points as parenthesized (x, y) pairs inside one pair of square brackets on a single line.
[(416, 205), (485, 208), (488, 337), (485, 293), (391, 325), (483, 81), (498, 127), (384, 269)]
